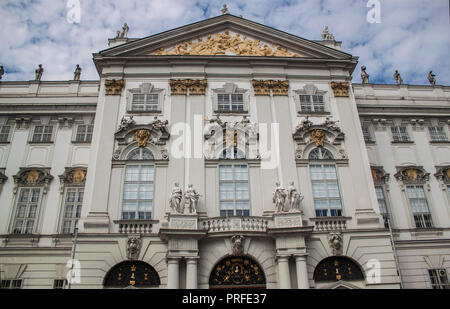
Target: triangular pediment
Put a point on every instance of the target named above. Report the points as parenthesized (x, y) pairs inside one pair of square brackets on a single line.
[(226, 35)]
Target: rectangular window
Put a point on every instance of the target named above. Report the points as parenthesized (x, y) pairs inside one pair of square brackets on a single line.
[(382, 204), (312, 103), (227, 102), (4, 134), (366, 133), (400, 134), (59, 284), (137, 202), (72, 209), (325, 187), (145, 102), (234, 197), (11, 284), (437, 134), (448, 192), (84, 133), (419, 206), (42, 134), (26, 210), (439, 279)]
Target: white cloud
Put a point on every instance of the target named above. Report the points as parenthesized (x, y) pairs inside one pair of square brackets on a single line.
[(413, 35)]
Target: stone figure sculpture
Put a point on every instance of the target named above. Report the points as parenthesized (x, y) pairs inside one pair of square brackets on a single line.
[(224, 10), (133, 247), (175, 199), (364, 75), (2, 71), (294, 198), (237, 245), (431, 78), (326, 35), (398, 78), (77, 73), (123, 34), (335, 241), (279, 198), (39, 72), (191, 198), (126, 122)]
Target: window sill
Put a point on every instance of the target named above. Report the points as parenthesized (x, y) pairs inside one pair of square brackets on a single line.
[(82, 143), (370, 142), (230, 113), (440, 142), (5, 143), (300, 113), (144, 113), (400, 143), (41, 143)]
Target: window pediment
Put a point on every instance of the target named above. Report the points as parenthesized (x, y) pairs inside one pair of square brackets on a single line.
[(412, 174), (379, 176), (443, 174), (74, 176), (32, 176)]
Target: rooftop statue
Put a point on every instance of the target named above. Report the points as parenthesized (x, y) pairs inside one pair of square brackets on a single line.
[(364, 75), (431, 78), (398, 78)]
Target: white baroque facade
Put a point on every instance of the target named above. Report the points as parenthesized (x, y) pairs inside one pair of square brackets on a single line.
[(295, 169)]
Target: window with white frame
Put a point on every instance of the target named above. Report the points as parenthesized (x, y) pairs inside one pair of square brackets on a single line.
[(437, 134), (382, 204), (11, 284), (448, 193), (325, 185), (4, 133), (234, 197), (72, 209), (230, 102), (312, 103), (145, 102), (439, 279), (400, 134), (138, 188), (42, 134), (26, 210), (419, 206), (84, 133)]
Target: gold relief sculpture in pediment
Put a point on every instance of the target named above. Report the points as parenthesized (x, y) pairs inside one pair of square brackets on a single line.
[(142, 137), (226, 44)]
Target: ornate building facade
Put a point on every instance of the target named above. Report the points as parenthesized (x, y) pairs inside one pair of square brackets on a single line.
[(224, 154)]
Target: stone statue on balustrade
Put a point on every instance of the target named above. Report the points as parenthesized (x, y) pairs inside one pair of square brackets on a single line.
[(175, 199), (364, 75), (294, 198), (77, 73), (279, 198), (39, 72), (191, 198)]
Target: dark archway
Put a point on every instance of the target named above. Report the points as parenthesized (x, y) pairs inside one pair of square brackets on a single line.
[(337, 268), (237, 272), (136, 274)]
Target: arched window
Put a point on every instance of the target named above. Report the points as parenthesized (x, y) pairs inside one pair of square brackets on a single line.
[(325, 184), (132, 273), (337, 268), (140, 154), (320, 153), (137, 200)]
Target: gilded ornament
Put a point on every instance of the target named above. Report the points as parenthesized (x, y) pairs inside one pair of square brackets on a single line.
[(142, 137), (79, 176), (318, 137), (114, 87), (340, 89), (33, 176), (278, 87), (374, 174), (411, 174), (447, 173), (225, 44)]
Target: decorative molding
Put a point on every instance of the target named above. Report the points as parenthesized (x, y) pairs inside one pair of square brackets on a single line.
[(181, 86), (328, 133), (265, 87), (134, 244), (73, 176), (443, 174), (340, 89), (226, 44), (379, 176), (237, 245), (32, 176), (335, 241), (114, 87), (142, 137), (412, 174)]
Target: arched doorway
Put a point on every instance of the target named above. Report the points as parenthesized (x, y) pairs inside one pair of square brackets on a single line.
[(337, 269), (135, 274), (237, 272)]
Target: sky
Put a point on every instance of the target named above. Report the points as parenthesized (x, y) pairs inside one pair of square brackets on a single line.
[(412, 36)]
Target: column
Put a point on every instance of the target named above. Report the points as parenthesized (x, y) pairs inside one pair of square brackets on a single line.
[(191, 273), (284, 278), (97, 182), (173, 273), (302, 272)]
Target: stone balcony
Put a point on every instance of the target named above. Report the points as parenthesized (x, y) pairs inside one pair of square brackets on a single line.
[(235, 224), (135, 226), (324, 224)]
